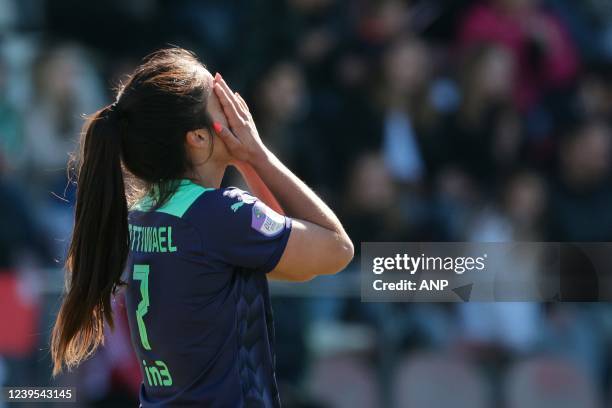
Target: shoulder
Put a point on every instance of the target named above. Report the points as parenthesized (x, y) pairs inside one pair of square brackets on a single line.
[(220, 201), (219, 208), (232, 210)]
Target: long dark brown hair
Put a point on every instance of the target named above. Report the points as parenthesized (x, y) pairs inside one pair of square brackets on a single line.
[(140, 135)]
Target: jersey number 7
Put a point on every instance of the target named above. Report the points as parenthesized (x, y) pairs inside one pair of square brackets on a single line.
[(141, 273)]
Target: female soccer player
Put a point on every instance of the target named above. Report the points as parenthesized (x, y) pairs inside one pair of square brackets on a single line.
[(195, 256)]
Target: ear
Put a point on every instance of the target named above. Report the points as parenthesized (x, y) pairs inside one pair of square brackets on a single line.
[(198, 138)]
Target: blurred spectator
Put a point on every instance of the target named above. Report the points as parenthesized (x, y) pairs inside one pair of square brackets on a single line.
[(66, 87), (381, 22), (406, 69), (370, 207), (594, 95), (519, 215), (542, 50), (525, 203), (484, 136), (583, 188), (280, 108)]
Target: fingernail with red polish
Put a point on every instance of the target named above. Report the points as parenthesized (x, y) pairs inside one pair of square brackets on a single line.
[(217, 127)]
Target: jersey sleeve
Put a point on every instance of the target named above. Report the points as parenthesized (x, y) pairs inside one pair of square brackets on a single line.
[(243, 231)]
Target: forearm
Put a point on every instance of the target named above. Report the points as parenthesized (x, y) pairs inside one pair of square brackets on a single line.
[(258, 187), (317, 244), (293, 195)]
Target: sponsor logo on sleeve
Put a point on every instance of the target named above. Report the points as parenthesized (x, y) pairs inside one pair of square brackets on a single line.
[(266, 221)]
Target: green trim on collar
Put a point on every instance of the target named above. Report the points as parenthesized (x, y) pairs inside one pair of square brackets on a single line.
[(178, 204)]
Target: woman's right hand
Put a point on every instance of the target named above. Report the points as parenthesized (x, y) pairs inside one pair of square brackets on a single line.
[(242, 141)]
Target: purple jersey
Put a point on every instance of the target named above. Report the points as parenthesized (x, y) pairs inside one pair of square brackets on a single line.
[(197, 298)]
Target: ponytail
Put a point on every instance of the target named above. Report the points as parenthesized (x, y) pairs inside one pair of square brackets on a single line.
[(99, 246)]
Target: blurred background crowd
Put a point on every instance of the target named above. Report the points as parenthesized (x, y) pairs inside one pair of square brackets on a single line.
[(433, 120)]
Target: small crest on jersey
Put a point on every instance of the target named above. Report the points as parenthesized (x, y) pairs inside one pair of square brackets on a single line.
[(266, 221)]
